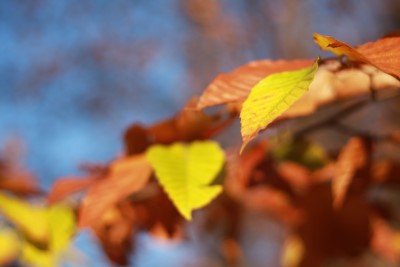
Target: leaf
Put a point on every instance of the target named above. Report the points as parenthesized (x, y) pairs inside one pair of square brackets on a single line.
[(64, 187), (127, 176), (338, 48), (383, 54), (114, 229), (9, 246), (188, 125), (351, 158), (61, 225), (271, 97), (236, 85), (46, 231), (385, 240), (186, 171), (31, 220)]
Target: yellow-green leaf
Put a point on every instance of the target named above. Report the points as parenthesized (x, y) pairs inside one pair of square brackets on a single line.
[(31, 220), (46, 231), (271, 97), (186, 171), (9, 245), (37, 257), (62, 226)]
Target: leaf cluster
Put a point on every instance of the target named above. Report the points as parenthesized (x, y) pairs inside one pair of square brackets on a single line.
[(174, 171)]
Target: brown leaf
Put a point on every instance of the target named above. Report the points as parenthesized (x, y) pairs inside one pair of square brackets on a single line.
[(237, 84), (273, 201), (20, 185), (188, 125), (114, 228), (295, 174), (127, 176), (66, 186), (240, 168), (136, 139), (339, 48), (351, 158), (166, 219), (385, 240), (383, 53), (17, 180)]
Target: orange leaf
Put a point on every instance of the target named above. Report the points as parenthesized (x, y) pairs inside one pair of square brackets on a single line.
[(385, 240), (383, 54), (351, 158), (338, 48), (114, 229), (67, 186), (237, 84), (127, 176)]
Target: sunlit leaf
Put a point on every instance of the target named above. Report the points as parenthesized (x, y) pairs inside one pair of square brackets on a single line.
[(61, 220), (237, 84), (351, 158), (127, 176), (338, 48), (31, 220), (186, 171), (61, 225), (46, 231), (9, 245), (37, 257), (271, 97), (383, 54)]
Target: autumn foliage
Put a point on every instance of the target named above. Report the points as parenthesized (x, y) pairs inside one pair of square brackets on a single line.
[(311, 158)]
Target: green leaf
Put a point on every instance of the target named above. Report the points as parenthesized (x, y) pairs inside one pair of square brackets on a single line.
[(186, 171), (271, 97)]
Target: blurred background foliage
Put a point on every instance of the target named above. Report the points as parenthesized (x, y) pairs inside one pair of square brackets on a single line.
[(75, 74)]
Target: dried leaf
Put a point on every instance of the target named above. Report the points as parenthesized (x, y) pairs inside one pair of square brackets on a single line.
[(351, 158), (237, 84), (240, 168), (273, 201), (271, 97), (186, 171), (338, 48), (64, 187), (186, 126), (127, 176), (383, 54), (114, 228), (385, 240)]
